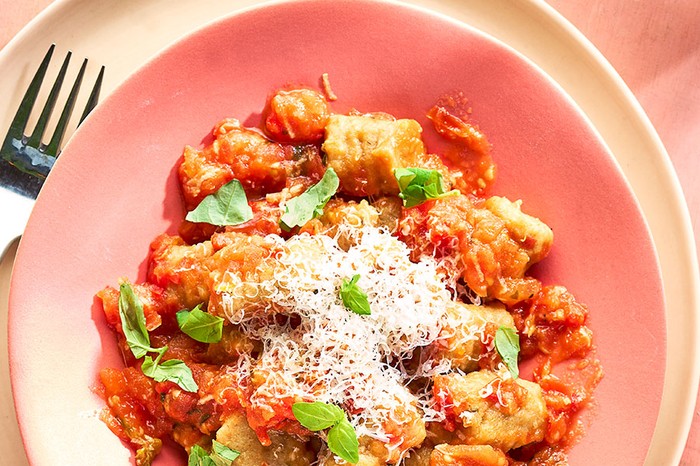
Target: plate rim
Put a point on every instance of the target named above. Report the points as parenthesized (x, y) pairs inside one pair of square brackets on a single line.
[(683, 417)]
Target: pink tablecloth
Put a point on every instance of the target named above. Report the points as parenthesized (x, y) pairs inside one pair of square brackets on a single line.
[(654, 45)]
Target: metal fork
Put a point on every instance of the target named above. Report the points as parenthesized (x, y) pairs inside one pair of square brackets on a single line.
[(25, 161)]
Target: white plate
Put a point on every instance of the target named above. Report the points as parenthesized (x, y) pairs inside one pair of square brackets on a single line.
[(123, 35)]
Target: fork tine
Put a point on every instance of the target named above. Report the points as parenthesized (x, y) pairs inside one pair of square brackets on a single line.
[(94, 95), (53, 147), (35, 139), (19, 122), (24, 160)]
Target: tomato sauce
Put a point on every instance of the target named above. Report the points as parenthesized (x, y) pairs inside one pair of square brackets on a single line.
[(473, 242), (469, 155), (553, 332)]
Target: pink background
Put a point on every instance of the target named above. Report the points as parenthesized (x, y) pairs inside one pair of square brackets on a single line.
[(654, 46)]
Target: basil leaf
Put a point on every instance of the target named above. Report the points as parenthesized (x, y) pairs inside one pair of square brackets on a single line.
[(311, 202), (200, 325), (220, 455), (316, 415), (134, 327), (417, 185), (342, 441), (172, 370), (508, 347), (133, 321), (223, 455), (199, 457), (227, 206), (354, 298)]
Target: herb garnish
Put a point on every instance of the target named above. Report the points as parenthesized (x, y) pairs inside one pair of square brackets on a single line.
[(220, 455), (417, 185), (172, 370), (227, 206), (134, 328), (316, 415), (133, 321), (354, 297), (508, 346), (311, 202), (200, 325), (341, 438)]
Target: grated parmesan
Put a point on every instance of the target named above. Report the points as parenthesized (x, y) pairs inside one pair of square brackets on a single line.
[(331, 354)]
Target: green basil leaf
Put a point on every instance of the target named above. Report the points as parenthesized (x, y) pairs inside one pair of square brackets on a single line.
[(316, 415), (200, 325), (417, 185), (227, 206), (310, 204), (133, 321), (223, 455), (199, 457), (220, 455), (342, 441), (354, 297), (172, 370), (508, 347), (134, 326)]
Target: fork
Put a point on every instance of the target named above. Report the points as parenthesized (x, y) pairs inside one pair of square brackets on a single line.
[(25, 161)]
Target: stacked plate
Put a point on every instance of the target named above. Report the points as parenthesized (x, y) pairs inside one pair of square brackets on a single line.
[(570, 141)]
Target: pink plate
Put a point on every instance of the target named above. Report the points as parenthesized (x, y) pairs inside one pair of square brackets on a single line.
[(115, 189)]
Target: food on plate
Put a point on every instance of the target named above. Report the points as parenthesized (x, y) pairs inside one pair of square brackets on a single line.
[(339, 294)]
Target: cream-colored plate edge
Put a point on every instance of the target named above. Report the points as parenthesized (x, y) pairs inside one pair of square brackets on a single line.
[(123, 35)]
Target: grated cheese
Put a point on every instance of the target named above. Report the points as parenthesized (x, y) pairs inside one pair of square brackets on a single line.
[(331, 354)]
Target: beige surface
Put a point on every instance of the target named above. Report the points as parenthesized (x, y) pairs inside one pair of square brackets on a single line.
[(9, 437), (654, 45)]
